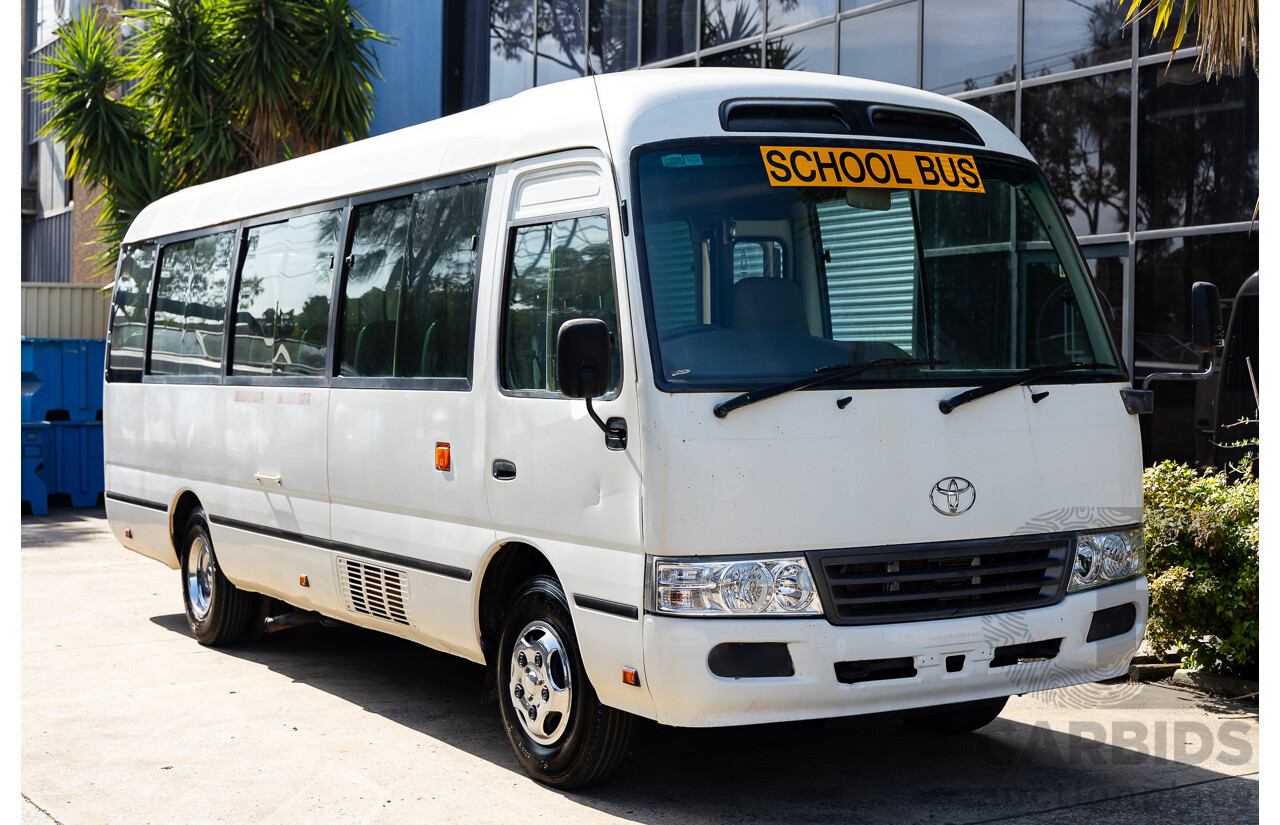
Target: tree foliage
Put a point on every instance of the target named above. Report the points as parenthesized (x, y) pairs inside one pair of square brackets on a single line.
[(1225, 29), (202, 90), (1201, 531)]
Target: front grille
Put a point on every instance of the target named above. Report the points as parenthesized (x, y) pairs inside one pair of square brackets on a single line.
[(374, 591), (940, 581)]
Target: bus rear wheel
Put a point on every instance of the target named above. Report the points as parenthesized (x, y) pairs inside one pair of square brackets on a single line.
[(561, 733), (218, 612)]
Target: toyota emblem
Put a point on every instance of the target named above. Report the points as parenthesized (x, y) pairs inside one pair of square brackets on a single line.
[(952, 496)]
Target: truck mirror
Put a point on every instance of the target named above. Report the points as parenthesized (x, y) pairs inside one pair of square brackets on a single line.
[(582, 358), (1206, 317)]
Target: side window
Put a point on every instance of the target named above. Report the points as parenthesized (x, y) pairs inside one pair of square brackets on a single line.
[(129, 312), (410, 285), (282, 303), (191, 306), (556, 272)]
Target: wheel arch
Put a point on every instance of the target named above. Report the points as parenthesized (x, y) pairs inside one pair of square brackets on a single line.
[(184, 504), (508, 566)]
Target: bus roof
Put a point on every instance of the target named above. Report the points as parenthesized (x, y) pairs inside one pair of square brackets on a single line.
[(639, 107)]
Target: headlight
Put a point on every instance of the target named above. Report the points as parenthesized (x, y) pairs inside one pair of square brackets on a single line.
[(733, 587), (1104, 558)]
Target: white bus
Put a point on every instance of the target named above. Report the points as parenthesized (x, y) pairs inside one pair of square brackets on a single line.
[(710, 396)]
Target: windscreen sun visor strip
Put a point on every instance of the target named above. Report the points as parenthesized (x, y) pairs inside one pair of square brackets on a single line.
[(845, 117)]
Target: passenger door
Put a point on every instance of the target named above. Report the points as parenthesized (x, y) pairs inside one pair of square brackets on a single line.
[(551, 479)]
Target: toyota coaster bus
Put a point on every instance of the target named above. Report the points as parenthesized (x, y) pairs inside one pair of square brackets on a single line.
[(711, 396)]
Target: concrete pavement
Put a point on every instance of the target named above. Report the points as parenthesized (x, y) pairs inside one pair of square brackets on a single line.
[(125, 719)]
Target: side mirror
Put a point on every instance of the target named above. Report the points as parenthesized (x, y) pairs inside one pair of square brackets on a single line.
[(582, 358), (1206, 317), (585, 369)]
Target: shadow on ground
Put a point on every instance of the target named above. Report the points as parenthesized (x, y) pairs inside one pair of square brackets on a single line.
[(865, 769)]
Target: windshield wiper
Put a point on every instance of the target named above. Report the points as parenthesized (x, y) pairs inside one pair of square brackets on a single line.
[(821, 375), (1015, 380)]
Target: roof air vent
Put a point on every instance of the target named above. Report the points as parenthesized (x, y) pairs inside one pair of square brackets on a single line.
[(921, 124), (782, 115)]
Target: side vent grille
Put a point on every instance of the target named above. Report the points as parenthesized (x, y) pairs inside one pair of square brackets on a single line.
[(374, 591)]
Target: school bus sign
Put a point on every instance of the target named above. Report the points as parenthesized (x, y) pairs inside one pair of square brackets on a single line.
[(875, 168)]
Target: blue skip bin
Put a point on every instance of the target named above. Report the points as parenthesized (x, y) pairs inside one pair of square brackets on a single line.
[(77, 461), (37, 465)]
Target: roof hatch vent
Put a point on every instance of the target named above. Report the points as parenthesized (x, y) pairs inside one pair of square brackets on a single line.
[(921, 124), (782, 115)]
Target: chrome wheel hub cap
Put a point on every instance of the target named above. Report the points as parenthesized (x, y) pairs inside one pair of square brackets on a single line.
[(539, 688), (200, 569)]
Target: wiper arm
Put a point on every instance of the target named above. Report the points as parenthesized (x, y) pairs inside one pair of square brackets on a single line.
[(946, 405), (820, 376)]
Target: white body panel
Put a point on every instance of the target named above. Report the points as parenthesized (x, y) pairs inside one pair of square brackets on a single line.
[(356, 465)]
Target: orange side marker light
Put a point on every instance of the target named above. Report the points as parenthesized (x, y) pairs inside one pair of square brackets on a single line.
[(630, 677), (443, 463)]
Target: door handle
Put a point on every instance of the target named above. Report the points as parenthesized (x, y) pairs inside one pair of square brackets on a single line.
[(267, 481), (504, 470)]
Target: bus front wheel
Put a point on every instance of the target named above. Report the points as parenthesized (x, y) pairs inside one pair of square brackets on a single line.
[(218, 612), (561, 733)]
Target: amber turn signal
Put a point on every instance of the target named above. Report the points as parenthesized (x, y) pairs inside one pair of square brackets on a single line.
[(630, 677), (442, 456)]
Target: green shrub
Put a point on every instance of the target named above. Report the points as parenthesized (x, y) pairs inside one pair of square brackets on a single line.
[(1202, 551)]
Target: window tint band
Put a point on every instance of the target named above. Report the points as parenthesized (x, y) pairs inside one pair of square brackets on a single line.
[(141, 369)]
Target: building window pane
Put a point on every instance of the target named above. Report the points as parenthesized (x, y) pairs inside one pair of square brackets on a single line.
[(558, 271), (812, 50), (1000, 106), (669, 28), (790, 12), (969, 45), (748, 56), (846, 5), (1061, 35), (881, 45), (282, 307), (191, 306), (614, 31), (561, 54), (511, 34), (1197, 147), (1166, 269), (51, 177), (1079, 133), (728, 21), (129, 312)]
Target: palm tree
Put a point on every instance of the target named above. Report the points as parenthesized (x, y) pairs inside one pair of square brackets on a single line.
[(201, 89), (1225, 29)]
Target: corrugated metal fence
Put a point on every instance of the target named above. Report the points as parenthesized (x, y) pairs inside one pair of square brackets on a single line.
[(64, 311)]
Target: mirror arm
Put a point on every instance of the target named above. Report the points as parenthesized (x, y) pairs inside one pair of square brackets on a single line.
[(615, 430), (1181, 376), (591, 412)]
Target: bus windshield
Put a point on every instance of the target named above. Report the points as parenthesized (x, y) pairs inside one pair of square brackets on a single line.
[(758, 272)]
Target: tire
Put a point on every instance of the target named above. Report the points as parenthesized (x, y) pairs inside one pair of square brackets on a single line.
[(218, 612), (962, 717), (572, 740)]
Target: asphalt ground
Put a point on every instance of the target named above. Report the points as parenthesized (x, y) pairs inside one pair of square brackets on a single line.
[(125, 719)]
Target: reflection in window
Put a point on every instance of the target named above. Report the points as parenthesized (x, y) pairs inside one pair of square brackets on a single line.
[(561, 54), (881, 45), (191, 306), (669, 28), (745, 56), (727, 21), (282, 307), (558, 271), (1061, 35), (812, 50), (1108, 279), (1198, 162), (614, 32), (969, 45), (511, 35), (1166, 269), (129, 312), (1079, 133), (790, 12), (1000, 106), (51, 175), (410, 285)]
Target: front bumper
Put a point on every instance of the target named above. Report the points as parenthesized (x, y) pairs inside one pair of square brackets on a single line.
[(686, 693)]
